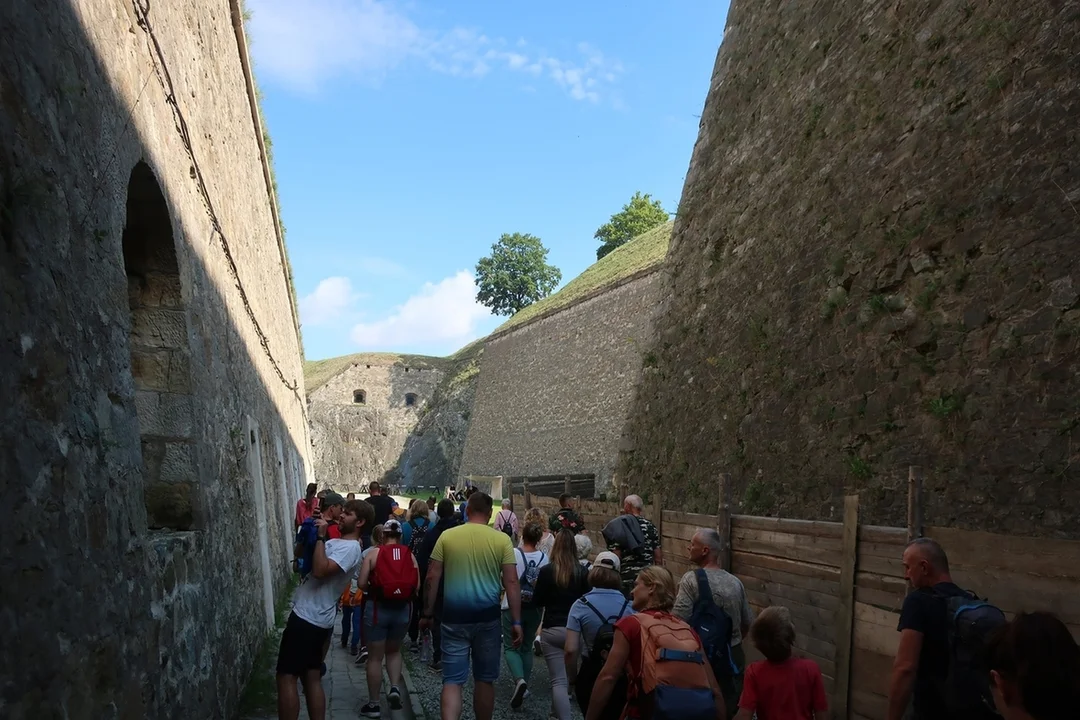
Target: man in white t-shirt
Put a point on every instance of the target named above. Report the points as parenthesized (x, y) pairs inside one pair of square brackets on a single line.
[(314, 610)]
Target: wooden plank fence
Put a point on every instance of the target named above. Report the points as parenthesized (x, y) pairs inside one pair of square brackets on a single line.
[(843, 582)]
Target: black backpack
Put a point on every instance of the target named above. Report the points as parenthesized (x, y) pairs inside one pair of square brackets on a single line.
[(969, 624), (507, 527), (591, 666), (715, 627)]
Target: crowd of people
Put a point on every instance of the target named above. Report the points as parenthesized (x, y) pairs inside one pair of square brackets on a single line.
[(620, 636)]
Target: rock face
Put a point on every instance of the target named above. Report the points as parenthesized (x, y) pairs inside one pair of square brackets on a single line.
[(553, 393), (361, 418), (876, 263), (152, 428)]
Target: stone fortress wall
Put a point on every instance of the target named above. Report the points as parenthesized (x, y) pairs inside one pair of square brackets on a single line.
[(153, 427), (876, 264), (552, 393), (361, 418)]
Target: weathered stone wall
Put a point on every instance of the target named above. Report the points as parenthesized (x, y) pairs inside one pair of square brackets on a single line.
[(876, 263), (140, 391), (357, 442), (553, 394)]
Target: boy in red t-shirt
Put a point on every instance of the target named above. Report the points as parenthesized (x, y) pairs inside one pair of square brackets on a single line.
[(781, 687)]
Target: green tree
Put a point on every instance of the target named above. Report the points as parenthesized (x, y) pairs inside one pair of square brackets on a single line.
[(639, 215), (516, 274)]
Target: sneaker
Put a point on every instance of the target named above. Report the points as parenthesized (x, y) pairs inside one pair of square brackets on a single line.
[(538, 649), (344, 640), (361, 657), (371, 710), (435, 665), (414, 647), (394, 696), (520, 691)]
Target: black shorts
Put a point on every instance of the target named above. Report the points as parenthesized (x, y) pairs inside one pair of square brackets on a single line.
[(301, 647)]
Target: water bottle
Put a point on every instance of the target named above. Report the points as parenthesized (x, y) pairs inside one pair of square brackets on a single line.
[(425, 647)]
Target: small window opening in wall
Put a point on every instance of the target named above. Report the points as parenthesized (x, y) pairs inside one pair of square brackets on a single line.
[(159, 355), (410, 399), (252, 437), (359, 397)]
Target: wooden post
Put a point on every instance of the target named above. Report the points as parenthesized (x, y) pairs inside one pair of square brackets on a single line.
[(845, 614), (915, 503), (566, 485), (658, 521), (525, 492), (723, 520)]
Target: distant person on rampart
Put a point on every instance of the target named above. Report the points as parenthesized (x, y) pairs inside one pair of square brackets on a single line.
[(306, 506), (634, 539), (478, 564), (311, 622), (1035, 669), (781, 686), (924, 657), (566, 517), (726, 592)]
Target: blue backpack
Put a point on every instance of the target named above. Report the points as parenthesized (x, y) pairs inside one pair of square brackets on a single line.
[(305, 538), (715, 627), (966, 685)]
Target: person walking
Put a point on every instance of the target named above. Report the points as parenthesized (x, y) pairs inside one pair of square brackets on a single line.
[(382, 503), (595, 611), (634, 539), (414, 530), (780, 687), (1035, 669), (727, 593), (653, 628), (477, 562), (519, 658), (584, 549), (923, 655), (306, 506), (311, 622), (447, 519), (506, 522), (365, 596), (560, 583), (393, 576)]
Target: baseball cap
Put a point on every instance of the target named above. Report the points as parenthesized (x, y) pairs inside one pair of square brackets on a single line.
[(607, 559), (330, 499), (392, 527)]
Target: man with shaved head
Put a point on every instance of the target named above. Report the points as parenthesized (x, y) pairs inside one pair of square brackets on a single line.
[(634, 556), (922, 656)]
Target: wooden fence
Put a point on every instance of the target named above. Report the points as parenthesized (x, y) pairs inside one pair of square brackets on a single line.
[(843, 582)]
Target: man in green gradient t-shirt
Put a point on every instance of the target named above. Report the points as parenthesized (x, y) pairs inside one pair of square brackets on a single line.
[(476, 563)]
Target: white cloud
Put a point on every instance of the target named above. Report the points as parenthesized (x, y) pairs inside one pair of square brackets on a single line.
[(443, 313), (332, 300), (303, 44)]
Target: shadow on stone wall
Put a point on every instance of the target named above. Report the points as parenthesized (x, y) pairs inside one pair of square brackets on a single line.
[(104, 618)]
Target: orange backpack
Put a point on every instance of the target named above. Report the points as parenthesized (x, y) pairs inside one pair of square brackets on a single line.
[(674, 680)]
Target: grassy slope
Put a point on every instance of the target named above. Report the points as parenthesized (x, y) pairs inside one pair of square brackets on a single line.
[(318, 372), (644, 251)]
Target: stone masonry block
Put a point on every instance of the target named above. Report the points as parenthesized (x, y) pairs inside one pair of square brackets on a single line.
[(179, 371), (164, 415), (178, 464), (159, 327), (150, 367)]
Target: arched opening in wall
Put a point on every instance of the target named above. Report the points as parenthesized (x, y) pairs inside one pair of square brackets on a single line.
[(410, 399), (359, 397), (159, 355)]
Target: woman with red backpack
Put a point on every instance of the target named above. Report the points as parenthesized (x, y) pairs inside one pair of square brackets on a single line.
[(669, 675), (392, 576)]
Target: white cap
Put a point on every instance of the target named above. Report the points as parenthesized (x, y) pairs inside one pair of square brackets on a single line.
[(607, 559)]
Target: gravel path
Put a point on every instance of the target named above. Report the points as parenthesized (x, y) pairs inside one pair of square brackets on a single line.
[(537, 706)]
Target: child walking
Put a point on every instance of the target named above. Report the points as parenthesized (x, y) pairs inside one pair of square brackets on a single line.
[(780, 687)]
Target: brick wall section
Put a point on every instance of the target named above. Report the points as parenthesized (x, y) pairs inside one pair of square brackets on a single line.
[(875, 264), (553, 394), (356, 443), (111, 618)]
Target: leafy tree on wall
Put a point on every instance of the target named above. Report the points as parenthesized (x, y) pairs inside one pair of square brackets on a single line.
[(516, 274), (639, 215)]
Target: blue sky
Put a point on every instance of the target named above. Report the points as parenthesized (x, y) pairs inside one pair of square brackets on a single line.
[(409, 135)]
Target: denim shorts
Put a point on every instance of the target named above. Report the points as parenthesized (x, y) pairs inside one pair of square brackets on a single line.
[(386, 622), (482, 640)]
